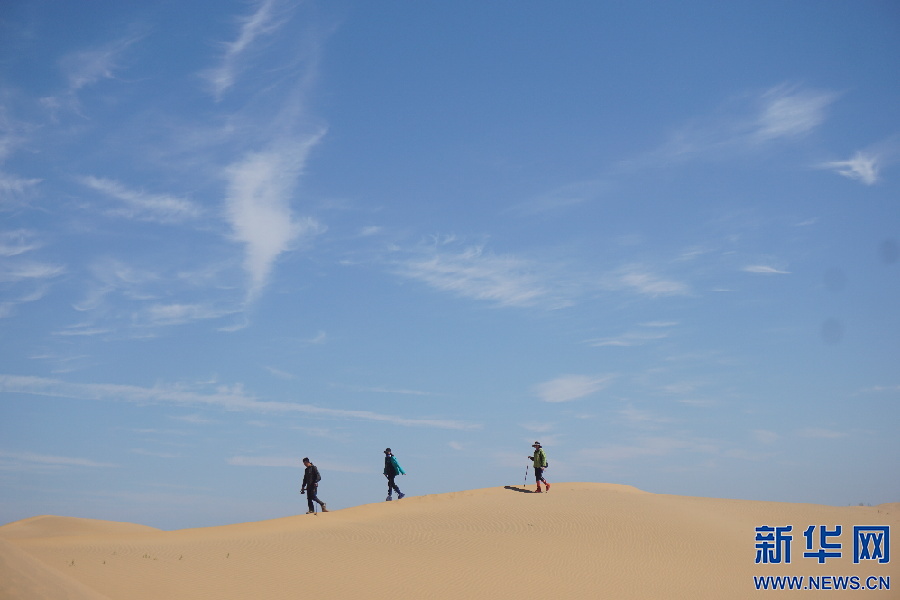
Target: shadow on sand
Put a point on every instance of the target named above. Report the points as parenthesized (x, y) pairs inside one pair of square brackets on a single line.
[(517, 489)]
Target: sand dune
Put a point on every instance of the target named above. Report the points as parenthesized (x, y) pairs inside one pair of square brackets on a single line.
[(581, 540)]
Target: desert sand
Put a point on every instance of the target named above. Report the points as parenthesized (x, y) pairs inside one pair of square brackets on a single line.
[(580, 540)]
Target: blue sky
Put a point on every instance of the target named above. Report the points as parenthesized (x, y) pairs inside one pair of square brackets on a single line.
[(661, 238)]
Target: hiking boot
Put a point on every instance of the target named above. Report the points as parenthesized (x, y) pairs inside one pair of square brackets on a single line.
[(323, 508), (400, 495), (310, 512), (389, 498), (538, 490), (547, 485)]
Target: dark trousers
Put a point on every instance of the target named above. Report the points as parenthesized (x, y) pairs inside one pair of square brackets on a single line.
[(539, 475), (391, 485), (311, 496)]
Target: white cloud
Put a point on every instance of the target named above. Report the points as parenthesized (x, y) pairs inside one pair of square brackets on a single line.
[(265, 20), (862, 166), (320, 338), (538, 427), (12, 188), (642, 417), (225, 398), (506, 280), (659, 324), (764, 436), (790, 112), (866, 165), (144, 206), (176, 314), (571, 387), (19, 241), (879, 389), (627, 340), (780, 113), (397, 391), (765, 270), (279, 373), (25, 459), (638, 279), (193, 419), (81, 329), (565, 197), (258, 206), (818, 432), (15, 271), (87, 67)]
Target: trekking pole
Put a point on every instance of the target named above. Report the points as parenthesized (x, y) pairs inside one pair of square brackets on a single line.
[(525, 481)]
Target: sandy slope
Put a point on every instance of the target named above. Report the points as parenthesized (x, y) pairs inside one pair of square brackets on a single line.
[(582, 540)]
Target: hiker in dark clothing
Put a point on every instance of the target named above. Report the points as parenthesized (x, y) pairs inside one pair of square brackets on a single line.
[(540, 463), (310, 486), (391, 469)]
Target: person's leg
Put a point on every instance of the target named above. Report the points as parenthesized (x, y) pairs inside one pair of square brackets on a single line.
[(322, 504), (538, 476), (314, 497), (309, 500)]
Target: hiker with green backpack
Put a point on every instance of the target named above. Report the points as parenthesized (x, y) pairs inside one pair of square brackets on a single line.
[(391, 469), (540, 463)]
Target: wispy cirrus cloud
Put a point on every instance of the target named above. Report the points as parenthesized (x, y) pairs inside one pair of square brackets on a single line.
[(781, 113), (19, 241), (86, 67), (879, 389), (640, 279), (506, 280), (13, 189), (225, 398), (30, 460), (178, 313), (765, 270), (764, 436), (28, 270), (260, 188), (389, 390), (571, 387), (866, 165), (141, 205), (789, 111), (268, 16), (821, 433), (627, 340)]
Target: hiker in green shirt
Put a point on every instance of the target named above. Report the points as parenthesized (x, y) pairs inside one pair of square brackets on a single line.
[(540, 463)]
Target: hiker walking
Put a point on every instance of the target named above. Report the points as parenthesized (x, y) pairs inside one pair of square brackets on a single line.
[(310, 487), (391, 469), (540, 463)]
